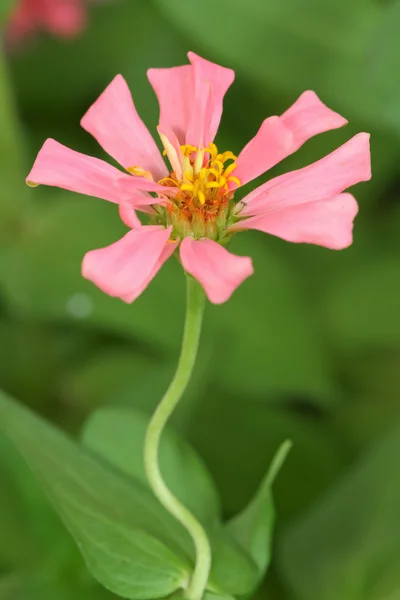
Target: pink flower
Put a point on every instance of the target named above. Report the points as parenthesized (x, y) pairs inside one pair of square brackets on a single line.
[(63, 18), (191, 206)]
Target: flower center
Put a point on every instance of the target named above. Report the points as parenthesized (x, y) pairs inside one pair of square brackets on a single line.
[(203, 203), (204, 184)]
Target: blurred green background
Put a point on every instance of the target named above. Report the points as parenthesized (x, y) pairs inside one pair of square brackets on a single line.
[(307, 349)]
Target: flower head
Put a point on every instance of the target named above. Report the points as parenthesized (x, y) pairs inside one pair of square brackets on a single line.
[(63, 18), (191, 206)]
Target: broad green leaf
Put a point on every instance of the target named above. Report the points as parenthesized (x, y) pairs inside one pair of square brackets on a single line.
[(118, 436), (130, 543), (126, 537), (32, 535), (348, 546), (16, 544), (253, 526)]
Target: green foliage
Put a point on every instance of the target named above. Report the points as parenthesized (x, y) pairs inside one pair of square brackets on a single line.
[(120, 529), (308, 349), (252, 528), (118, 436)]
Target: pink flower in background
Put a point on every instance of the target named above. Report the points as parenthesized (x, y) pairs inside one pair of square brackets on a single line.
[(191, 206), (64, 18)]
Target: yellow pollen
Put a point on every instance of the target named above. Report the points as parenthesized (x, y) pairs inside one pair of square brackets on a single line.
[(205, 181)]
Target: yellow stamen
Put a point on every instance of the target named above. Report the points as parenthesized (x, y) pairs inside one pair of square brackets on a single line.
[(228, 156), (213, 184), (201, 196), (168, 181), (229, 169), (213, 150), (140, 172), (235, 180), (187, 149), (187, 187)]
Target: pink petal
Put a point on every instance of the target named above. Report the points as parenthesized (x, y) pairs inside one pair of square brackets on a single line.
[(167, 251), (308, 116), (218, 271), (62, 167), (59, 166), (278, 137), (271, 144), (113, 121), (174, 91), (326, 222), (326, 178), (125, 268), (128, 187), (128, 215), (211, 83)]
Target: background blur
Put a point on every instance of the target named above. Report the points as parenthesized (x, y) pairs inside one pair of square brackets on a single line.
[(307, 349)]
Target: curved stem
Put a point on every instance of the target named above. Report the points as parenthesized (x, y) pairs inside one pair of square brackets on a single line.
[(190, 343)]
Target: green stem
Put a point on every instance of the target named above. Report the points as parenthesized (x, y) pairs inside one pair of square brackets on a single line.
[(190, 343)]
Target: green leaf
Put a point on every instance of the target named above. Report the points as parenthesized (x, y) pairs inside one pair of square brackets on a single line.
[(128, 541), (252, 527), (118, 436), (348, 546)]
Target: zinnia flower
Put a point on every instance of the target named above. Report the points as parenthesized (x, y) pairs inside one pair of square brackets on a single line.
[(191, 205), (63, 18)]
